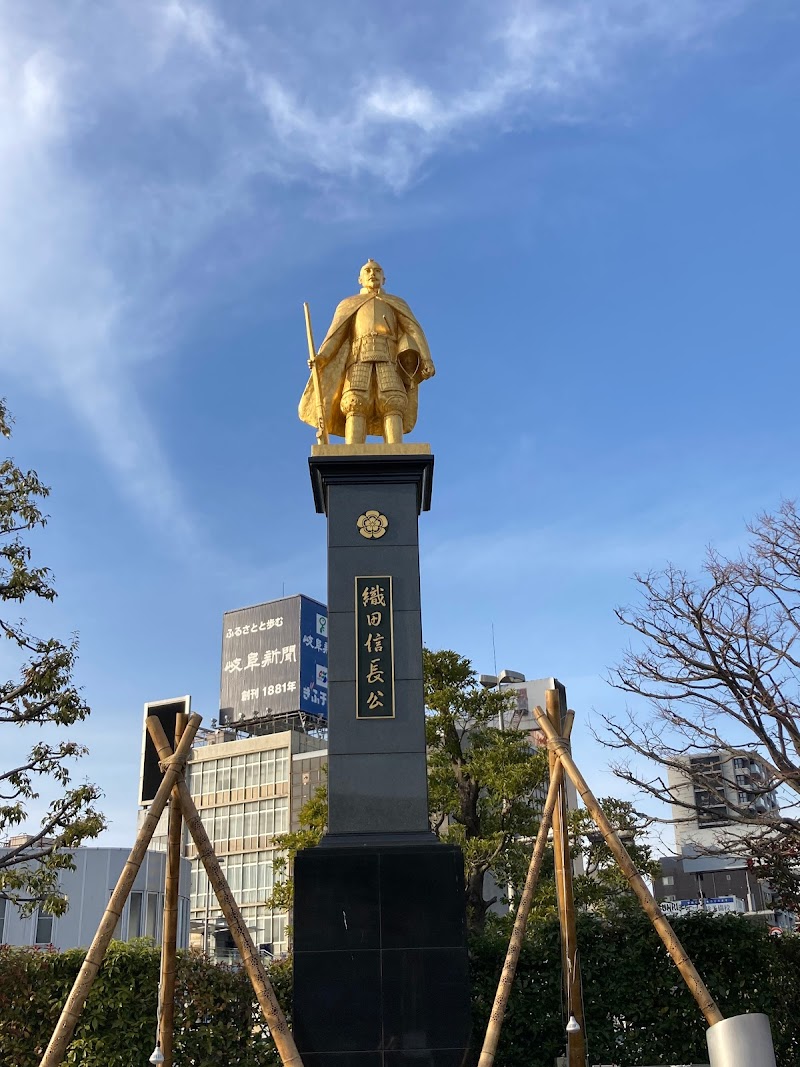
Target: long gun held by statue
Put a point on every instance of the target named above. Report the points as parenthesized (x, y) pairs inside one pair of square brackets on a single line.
[(322, 432)]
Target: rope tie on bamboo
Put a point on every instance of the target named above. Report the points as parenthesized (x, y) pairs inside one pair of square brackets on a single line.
[(178, 762), (558, 745)]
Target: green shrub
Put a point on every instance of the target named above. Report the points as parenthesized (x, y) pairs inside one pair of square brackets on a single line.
[(638, 1010), (216, 1020)]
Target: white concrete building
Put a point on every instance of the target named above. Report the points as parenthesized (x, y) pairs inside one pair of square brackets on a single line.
[(88, 889), (702, 809)]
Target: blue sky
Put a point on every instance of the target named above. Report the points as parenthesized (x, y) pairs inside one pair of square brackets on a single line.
[(592, 210)]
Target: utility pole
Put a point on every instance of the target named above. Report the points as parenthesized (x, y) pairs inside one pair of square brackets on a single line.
[(570, 960)]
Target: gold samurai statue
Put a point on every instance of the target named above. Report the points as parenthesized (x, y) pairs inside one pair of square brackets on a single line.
[(364, 377)]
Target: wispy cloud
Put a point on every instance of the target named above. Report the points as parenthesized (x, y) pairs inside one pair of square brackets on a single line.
[(69, 307), (130, 132), (510, 555)]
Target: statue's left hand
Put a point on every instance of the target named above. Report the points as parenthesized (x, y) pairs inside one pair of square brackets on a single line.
[(427, 370)]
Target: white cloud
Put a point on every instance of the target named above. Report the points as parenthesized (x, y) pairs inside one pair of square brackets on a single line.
[(65, 314), (129, 133), (389, 110)]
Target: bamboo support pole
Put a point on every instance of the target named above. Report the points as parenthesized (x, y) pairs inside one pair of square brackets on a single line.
[(169, 935), (570, 958), (251, 961), (71, 1012), (322, 430), (697, 986), (501, 997)]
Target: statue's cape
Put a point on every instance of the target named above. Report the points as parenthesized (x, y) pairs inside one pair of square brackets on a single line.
[(412, 350)]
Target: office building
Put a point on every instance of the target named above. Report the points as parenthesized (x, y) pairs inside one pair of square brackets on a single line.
[(247, 791), (717, 883), (715, 787), (528, 695), (252, 771)]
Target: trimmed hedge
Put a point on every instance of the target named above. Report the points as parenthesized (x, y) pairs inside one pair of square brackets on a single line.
[(216, 1020), (638, 1010)]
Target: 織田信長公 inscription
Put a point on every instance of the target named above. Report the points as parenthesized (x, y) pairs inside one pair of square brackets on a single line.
[(374, 648)]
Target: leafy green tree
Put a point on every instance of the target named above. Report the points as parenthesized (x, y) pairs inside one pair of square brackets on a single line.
[(40, 696), (313, 818), (603, 887), (486, 785)]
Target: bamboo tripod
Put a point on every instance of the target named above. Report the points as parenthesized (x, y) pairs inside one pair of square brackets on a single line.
[(562, 762), (182, 808), (173, 765)]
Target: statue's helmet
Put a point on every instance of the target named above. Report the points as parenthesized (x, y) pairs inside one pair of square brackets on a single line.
[(374, 265)]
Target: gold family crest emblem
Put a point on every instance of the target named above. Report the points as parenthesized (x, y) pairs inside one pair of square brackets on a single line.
[(372, 524)]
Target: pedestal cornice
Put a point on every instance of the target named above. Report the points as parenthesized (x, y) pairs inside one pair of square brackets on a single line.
[(371, 464)]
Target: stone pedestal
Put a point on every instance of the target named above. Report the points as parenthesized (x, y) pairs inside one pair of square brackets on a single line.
[(380, 965), (380, 958), (377, 776)]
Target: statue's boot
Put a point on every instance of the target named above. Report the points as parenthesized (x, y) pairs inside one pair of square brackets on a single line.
[(355, 429), (393, 429)]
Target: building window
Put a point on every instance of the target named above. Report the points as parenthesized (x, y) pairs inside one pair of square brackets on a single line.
[(237, 772), (233, 826), (740, 764), (135, 916), (668, 879), (208, 778), (152, 927), (221, 778), (44, 928), (2, 920)]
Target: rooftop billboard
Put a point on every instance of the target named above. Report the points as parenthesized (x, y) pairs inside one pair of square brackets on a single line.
[(274, 660)]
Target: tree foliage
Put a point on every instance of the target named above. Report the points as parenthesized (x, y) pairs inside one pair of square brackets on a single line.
[(313, 820), (486, 789), (603, 888), (485, 784), (216, 1017), (717, 658), (41, 695)]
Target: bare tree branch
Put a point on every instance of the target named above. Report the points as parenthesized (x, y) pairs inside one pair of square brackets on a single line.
[(716, 658)]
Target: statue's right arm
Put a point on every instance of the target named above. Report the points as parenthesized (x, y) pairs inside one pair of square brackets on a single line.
[(333, 341)]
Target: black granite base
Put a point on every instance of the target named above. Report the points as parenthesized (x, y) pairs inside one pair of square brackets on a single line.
[(380, 957)]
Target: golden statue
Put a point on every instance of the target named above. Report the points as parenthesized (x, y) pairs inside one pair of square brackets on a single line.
[(364, 377)]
